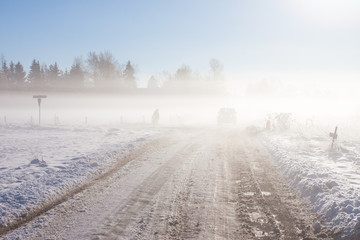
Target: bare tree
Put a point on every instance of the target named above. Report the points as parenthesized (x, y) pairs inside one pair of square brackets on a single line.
[(216, 69), (104, 69)]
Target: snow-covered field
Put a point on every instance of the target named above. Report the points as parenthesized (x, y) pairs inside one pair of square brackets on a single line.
[(37, 163), (329, 179)]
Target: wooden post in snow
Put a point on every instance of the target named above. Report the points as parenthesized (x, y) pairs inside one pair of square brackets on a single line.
[(333, 136), (39, 97)]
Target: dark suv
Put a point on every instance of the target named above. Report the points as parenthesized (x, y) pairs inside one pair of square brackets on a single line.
[(227, 115)]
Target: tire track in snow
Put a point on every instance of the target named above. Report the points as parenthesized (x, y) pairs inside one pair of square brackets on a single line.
[(172, 213), (142, 195), (267, 206)]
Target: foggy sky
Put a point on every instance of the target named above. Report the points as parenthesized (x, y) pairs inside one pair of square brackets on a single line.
[(253, 39)]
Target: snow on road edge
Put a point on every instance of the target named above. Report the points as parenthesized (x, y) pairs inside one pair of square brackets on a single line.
[(328, 179)]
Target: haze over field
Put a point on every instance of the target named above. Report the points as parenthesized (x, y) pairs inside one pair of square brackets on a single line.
[(232, 119), (306, 50)]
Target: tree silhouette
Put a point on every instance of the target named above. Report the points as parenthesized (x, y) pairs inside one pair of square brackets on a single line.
[(19, 75), (129, 76), (35, 77), (184, 73), (216, 69), (4, 73), (104, 69), (11, 73), (53, 75), (77, 75), (153, 83)]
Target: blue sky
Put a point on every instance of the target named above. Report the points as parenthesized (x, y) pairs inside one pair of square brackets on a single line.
[(251, 38)]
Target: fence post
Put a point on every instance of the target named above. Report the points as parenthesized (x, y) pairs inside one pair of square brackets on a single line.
[(333, 136)]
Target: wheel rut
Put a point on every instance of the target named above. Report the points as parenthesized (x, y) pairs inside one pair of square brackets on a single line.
[(266, 206), (142, 196)]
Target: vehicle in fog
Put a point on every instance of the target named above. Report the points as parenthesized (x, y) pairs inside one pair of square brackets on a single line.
[(227, 116)]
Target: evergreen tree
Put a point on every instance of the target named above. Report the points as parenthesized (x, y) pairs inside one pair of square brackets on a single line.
[(5, 69), (4, 73), (11, 72), (183, 74), (77, 75), (64, 78), (19, 74), (44, 71), (53, 74), (54, 71), (129, 76), (183, 78), (66, 74), (35, 75), (153, 83)]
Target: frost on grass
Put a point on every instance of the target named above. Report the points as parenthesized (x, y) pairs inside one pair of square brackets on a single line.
[(38, 164)]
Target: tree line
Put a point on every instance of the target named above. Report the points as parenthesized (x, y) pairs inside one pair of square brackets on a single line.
[(100, 71)]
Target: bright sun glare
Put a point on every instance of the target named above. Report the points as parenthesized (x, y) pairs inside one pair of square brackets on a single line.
[(328, 12)]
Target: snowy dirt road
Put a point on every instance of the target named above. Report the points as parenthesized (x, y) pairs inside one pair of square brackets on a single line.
[(193, 184)]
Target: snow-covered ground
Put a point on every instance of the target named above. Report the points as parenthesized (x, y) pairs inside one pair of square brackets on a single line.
[(37, 163), (329, 179)]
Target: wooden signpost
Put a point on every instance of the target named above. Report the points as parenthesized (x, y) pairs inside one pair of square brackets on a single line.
[(333, 136), (39, 97)]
